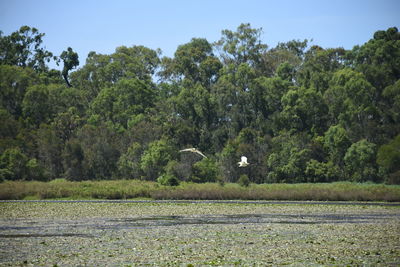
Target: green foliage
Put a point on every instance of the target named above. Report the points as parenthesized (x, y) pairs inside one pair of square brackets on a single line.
[(242, 46), (168, 179), (73, 157), (71, 60), (13, 164), (36, 105), (35, 171), (360, 161), (14, 82), (100, 154), (388, 158), (204, 171), (129, 162), (289, 160), (320, 172), (24, 48), (298, 113), (336, 141), (304, 109), (155, 158), (244, 180)]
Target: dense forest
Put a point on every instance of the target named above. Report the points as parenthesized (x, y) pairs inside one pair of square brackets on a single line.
[(298, 112)]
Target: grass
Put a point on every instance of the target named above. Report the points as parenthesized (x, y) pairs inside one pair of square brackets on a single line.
[(133, 189)]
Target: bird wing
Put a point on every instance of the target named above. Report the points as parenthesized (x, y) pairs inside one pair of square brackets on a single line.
[(187, 150), (194, 150), (243, 159), (199, 152)]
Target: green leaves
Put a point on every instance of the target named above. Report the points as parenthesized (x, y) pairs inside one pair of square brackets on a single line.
[(389, 154), (23, 48), (360, 161), (155, 158), (71, 60), (36, 105), (298, 113), (242, 46)]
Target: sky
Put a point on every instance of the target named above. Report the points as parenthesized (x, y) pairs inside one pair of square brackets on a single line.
[(102, 26)]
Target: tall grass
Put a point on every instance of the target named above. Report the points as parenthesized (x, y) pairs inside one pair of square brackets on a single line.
[(344, 191), (60, 188), (129, 189)]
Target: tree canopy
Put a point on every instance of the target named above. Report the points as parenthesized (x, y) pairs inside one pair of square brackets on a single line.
[(297, 111)]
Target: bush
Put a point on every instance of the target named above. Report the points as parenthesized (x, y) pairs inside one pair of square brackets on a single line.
[(168, 180), (204, 171), (34, 170), (244, 180), (321, 172), (393, 178)]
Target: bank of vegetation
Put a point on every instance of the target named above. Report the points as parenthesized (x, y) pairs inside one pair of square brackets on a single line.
[(299, 112), (135, 189)]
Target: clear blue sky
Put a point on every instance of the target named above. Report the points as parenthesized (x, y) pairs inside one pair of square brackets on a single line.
[(101, 26)]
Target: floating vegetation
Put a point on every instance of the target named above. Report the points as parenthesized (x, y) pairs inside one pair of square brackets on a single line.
[(193, 234)]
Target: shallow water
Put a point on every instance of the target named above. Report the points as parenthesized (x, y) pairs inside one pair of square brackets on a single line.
[(24, 228), (162, 234)]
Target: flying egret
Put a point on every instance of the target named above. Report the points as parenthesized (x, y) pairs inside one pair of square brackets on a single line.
[(193, 150), (243, 162)]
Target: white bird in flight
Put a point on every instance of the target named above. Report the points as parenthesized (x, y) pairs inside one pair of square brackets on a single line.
[(243, 162), (194, 150)]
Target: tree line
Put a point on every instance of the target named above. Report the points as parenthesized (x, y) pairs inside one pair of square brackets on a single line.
[(298, 112)]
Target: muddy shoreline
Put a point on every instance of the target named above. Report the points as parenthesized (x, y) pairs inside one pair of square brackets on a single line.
[(258, 202)]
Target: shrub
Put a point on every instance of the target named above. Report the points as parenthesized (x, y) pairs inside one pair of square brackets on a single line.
[(244, 180), (393, 178), (204, 171), (13, 162), (168, 180)]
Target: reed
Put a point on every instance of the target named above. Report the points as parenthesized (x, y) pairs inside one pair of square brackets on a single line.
[(133, 189)]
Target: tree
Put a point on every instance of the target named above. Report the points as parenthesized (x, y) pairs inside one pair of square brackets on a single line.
[(320, 172), (304, 110), (73, 157), (9, 129), (242, 46), (49, 148), (290, 54), (336, 141), (360, 162), (129, 162), (103, 71), (36, 105), (204, 171), (24, 48), (156, 158), (318, 66), (124, 100), (377, 59), (351, 102), (388, 158), (13, 164), (266, 95), (71, 60), (14, 82), (390, 109), (288, 161), (194, 61), (100, 151), (35, 171)]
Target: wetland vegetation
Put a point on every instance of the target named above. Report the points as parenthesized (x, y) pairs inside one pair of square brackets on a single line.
[(134, 189), (198, 234)]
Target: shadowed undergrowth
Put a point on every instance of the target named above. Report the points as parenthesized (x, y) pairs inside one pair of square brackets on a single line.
[(129, 189)]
